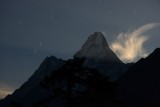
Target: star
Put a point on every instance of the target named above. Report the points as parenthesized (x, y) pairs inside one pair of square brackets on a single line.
[(51, 17), (100, 1), (110, 12), (35, 51), (74, 20), (134, 12), (40, 44), (19, 22)]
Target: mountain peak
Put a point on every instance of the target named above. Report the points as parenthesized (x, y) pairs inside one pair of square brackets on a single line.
[(154, 56), (157, 51), (97, 39), (96, 47)]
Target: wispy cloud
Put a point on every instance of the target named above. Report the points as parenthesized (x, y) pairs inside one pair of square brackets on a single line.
[(129, 46)]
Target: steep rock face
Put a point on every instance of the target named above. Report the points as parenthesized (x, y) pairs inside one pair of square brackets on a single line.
[(98, 55), (31, 91), (140, 86), (96, 47)]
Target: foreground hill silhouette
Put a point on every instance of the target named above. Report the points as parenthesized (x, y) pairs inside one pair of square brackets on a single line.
[(74, 85), (140, 85), (31, 90)]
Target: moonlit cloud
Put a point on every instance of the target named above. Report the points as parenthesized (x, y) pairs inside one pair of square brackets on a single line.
[(5, 90), (129, 46), (4, 93)]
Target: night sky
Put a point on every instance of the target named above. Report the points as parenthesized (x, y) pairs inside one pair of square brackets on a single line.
[(30, 30)]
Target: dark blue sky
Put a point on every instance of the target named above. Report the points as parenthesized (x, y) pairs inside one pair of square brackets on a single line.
[(30, 30)]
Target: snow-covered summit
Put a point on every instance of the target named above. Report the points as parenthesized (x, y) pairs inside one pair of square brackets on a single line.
[(96, 47)]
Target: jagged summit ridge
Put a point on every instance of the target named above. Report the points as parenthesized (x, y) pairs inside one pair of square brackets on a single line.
[(96, 47), (97, 39)]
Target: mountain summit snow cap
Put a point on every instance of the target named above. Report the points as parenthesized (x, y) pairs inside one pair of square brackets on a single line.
[(96, 39), (96, 47)]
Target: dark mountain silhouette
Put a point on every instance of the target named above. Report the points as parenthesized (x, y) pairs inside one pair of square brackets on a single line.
[(31, 90), (140, 85), (90, 80), (74, 85), (83, 81)]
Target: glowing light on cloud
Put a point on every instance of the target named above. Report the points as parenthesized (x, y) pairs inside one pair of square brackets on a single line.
[(129, 46), (4, 93), (5, 90)]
